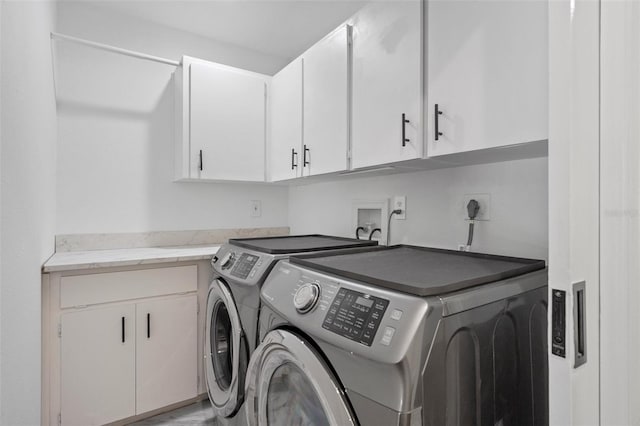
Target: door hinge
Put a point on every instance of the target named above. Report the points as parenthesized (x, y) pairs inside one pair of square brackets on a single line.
[(60, 330), (198, 307), (198, 385), (59, 419)]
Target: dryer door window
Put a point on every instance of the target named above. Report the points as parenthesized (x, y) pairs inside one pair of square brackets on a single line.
[(226, 351), (288, 382), (221, 345), (292, 400)]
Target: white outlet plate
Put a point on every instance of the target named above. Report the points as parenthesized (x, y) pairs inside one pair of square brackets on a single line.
[(400, 202), (256, 208), (485, 206)]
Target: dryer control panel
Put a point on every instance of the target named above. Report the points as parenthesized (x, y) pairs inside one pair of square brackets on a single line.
[(244, 265), (355, 315)]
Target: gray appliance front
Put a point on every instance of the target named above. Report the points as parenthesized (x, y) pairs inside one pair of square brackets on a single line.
[(445, 360)]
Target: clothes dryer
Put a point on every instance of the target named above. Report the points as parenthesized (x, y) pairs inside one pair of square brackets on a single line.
[(401, 335), (233, 302)]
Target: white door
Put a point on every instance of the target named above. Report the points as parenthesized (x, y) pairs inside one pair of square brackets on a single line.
[(228, 119), (487, 73), (574, 203), (98, 375), (326, 102), (286, 122), (166, 355), (387, 83)]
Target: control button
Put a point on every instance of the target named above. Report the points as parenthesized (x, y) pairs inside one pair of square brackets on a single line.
[(228, 260), (387, 336), (306, 297), (396, 314)]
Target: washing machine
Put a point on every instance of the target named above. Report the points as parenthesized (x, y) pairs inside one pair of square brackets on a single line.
[(233, 303), (401, 335)]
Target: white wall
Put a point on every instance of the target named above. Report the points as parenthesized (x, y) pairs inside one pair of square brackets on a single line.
[(619, 213), (518, 212), (28, 152), (115, 148)]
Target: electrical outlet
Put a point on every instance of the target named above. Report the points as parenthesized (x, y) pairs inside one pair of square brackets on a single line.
[(256, 208), (400, 203), (485, 206)]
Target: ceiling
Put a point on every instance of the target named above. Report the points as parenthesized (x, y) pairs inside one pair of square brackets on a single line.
[(274, 27)]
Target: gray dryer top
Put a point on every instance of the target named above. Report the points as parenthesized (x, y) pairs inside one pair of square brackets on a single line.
[(420, 271), (299, 243)]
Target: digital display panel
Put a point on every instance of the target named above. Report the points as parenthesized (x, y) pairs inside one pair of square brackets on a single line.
[(244, 265), (364, 302), (355, 315)]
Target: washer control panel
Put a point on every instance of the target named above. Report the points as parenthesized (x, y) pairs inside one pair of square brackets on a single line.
[(243, 266), (355, 315)]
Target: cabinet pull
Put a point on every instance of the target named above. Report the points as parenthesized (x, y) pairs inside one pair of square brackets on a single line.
[(404, 123), (122, 329), (294, 155), (201, 160), (148, 326), (305, 163), (438, 113)]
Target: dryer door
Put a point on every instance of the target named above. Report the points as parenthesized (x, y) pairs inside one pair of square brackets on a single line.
[(289, 383), (225, 350)]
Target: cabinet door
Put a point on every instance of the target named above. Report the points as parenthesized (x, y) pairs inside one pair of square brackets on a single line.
[(286, 122), (325, 111), (487, 71), (166, 356), (98, 365), (387, 83), (228, 118)]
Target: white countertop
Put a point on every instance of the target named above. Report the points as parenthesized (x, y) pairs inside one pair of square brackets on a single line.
[(92, 259)]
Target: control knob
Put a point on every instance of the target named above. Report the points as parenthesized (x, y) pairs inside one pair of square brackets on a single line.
[(306, 297), (228, 260)]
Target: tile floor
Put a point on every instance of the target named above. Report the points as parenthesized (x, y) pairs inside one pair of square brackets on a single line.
[(196, 414)]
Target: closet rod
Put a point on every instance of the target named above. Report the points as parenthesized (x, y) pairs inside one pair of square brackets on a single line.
[(57, 36)]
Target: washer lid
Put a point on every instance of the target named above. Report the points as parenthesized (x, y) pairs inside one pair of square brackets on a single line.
[(420, 271), (299, 243)]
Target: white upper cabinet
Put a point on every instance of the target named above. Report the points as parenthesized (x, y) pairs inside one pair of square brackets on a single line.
[(221, 129), (487, 72), (326, 104), (387, 83), (286, 123)]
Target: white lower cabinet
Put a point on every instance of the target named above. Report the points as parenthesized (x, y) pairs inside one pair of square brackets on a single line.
[(98, 365), (166, 352), (128, 359), (119, 343)]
